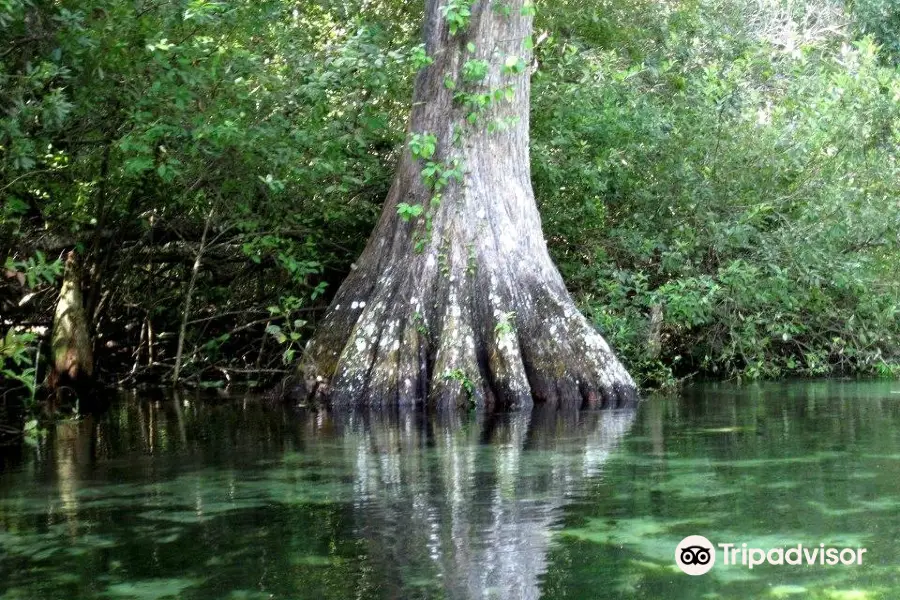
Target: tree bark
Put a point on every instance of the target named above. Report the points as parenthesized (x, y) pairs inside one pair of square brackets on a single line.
[(73, 360), (463, 304)]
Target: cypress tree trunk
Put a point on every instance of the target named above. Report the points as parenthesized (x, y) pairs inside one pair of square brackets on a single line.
[(455, 299), (73, 360)]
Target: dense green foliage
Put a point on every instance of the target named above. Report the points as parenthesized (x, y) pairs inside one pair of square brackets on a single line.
[(732, 162), (747, 183), (127, 126)]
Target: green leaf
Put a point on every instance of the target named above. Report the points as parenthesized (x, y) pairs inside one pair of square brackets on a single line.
[(409, 211)]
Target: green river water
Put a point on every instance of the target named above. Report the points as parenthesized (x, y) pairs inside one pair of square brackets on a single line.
[(224, 498)]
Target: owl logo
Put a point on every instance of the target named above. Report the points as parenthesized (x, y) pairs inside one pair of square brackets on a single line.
[(695, 555)]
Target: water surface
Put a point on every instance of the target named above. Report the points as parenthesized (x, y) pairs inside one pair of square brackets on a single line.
[(223, 498)]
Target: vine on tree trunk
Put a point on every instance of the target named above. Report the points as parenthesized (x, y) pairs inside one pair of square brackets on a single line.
[(437, 175)]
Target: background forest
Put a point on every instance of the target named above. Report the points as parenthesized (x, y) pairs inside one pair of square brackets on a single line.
[(718, 179)]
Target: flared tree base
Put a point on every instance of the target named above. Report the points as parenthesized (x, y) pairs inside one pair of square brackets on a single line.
[(496, 338)]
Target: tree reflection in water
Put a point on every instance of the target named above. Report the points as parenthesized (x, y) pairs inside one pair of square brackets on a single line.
[(467, 506), (286, 504)]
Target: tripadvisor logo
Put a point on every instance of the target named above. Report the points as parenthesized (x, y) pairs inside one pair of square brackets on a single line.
[(696, 555)]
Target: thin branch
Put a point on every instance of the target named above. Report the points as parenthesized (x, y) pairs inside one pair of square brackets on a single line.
[(187, 298), (29, 174)]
